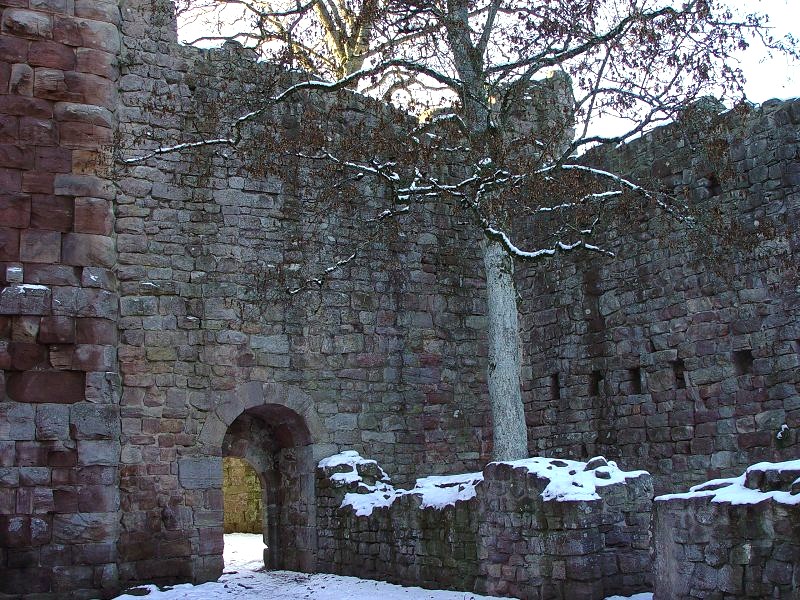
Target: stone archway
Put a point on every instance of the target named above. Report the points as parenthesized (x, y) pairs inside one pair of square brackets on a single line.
[(277, 431)]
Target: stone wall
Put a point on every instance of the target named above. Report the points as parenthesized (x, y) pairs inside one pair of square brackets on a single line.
[(530, 529), (241, 490), (59, 383), (735, 538), (680, 354)]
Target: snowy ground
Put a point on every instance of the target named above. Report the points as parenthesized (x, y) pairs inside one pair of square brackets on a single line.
[(244, 579)]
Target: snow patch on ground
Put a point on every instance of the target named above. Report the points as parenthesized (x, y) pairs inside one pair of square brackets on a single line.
[(243, 579), (734, 490)]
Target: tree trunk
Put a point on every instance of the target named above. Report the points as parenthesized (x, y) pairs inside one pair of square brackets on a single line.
[(505, 360)]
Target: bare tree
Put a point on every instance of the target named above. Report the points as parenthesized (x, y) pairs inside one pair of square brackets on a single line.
[(470, 69)]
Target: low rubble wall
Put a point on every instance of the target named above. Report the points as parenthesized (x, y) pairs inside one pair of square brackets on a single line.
[(731, 538), (536, 528)]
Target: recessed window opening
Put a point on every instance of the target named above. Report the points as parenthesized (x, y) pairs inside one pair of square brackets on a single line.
[(714, 186), (595, 383), (555, 387), (743, 362), (679, 371), (635, 375)]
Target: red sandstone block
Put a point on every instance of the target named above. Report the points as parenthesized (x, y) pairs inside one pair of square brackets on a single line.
[(11, 104), (10, 180), (45, 53), (13, 49), (57, 330), (65, 501), (51, 84), (9, 129), (34, 131), (52, 275), (59, 6), (99, 10), (16, 157), (61, 357), (40, 246), (25, 357), (83, 135), (84, 185), (5, 76), (86, 33), (62, 457), (91, 357), (93, 215), (92, 89), (20, 80), (58, 387), (15, 210), (97, 498), (96, 331), (37, 182), (83, 249), (31, 454), (97, 62), (9, 244), (53, 160), (27, 23), (84, 113), (52, 212)]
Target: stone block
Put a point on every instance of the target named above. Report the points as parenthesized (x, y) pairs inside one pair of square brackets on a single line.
[(83, 249), (84, 185), (13, 49), (46, 53), (98, 331), (52, 422), (25, 299), (97, 62), (94, 422), (98, 10), (16, 421), (20, 81), (59, 387), (83, 113), (27, 24), (16, 157), (27, 356), (53, 160), (98, 452), (52, 212), (15, 210), (40, 246), (58, 275), (9, 244), (13, 104), (57, 330), (200, 473), (85, 527), (86, 33)]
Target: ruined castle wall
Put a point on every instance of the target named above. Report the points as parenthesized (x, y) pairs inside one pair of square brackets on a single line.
[(680, 354), (59, 385), (387, 357)]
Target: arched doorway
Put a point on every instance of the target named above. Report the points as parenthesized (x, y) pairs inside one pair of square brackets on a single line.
[(275, 430), (275, 441)]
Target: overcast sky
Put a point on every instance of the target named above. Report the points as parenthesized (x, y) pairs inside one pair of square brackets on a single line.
[(777, 77)]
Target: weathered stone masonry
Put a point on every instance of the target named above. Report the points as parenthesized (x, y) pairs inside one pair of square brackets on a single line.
[(145, 335), (59, 384)]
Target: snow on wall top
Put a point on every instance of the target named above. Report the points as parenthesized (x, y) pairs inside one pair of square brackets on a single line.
[(760, 482), (569, 481), (572, 480)]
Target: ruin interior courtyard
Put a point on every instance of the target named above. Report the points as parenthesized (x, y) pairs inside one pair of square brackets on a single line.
[(148, 353)]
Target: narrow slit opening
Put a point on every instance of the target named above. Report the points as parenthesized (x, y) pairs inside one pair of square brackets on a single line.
[(635, 376), (743, 362), (595, 383), (679, 371), (555, 387)]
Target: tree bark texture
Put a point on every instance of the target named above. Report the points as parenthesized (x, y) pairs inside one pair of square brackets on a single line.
[(505, 396)]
